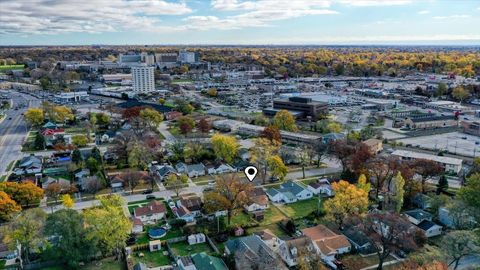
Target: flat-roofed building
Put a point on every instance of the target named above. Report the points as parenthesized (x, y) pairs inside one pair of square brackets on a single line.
[(307, 106), (143, 79), (287, 136), (452, 165)]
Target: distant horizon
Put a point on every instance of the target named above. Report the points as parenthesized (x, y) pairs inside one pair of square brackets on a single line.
[(255, 45), (241, 22)]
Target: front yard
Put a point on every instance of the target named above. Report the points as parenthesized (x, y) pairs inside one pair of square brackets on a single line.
[(359, 262)]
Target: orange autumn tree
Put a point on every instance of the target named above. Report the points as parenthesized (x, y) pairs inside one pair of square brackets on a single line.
[(25, 194), (349, 200), (8, 207)]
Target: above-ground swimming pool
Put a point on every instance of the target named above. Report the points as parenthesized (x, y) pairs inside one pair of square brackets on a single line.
[(156, 233)]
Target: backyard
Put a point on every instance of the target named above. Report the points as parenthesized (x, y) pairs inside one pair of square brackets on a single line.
[(151, 259), (184, 249), (301, 208)]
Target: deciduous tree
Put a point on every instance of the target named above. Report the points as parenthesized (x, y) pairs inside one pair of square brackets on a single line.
[(67, 201), (34, 116), (151, 117), (204, 125), (225, 147), (186, 124), (261, 152), (278, 168), (8, 207), (229, 194), (458, 244), (349, 200), (284, 120), (272, 133), (25, 194)]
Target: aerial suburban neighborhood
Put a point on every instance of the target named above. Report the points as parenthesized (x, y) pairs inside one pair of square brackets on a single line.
[(123, 156)]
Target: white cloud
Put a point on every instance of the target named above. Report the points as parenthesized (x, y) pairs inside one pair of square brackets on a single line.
[(422, 12), (54, 17), (371, 3), (455, 16)]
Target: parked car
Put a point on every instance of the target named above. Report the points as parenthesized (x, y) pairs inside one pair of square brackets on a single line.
[(150, 197), (148, 191)]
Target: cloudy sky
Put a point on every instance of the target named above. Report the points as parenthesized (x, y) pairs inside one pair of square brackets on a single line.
[(56, 22)]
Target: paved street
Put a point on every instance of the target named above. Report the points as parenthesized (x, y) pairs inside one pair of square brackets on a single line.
[(13, 131)]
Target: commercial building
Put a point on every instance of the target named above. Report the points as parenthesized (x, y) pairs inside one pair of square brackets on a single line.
[(187, 57), (306, 106), (471, 127), (430, 122), (129, 58), (287, 136), (451, 165), (143, 79), (166, 57), (148, 59), (70, 97)]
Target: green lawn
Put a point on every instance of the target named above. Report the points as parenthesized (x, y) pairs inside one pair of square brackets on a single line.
[(4, 68), (184, 249), (144, 239), (241, 219), (151, 259), (105, 264), (272, 215), (301, 208)]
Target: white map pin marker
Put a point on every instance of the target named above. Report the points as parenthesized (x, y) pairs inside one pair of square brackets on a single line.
[(251, 172)]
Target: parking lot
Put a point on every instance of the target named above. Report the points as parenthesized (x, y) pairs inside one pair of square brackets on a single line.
[(454, 142)]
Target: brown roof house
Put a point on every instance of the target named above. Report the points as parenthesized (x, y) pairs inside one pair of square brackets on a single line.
[(151, 213), (327, 243), (258, 200)]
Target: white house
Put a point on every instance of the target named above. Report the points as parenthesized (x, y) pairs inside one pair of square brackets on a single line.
[(151, 213), (257, 200), (224, 168), (327, 243), (321, 187), (137, 225), (417, 215), (430, 229), (289, 192), (193, 170)]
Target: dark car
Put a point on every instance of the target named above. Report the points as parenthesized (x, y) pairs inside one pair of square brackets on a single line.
[(9, 118), (274, 179), (148, 191), (150, 197)]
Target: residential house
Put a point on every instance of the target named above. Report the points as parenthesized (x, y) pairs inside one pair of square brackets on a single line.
[(52, 135), (186, 263), (249, 251), (192, 203), (29, 165), (203, 261), (151, 213), (360, 242), (321, 187), (421, 201), (458, 221), (430, 228), (374, 145), (117, 183), (257, 200), (50, 180), (161, 171), (417, 215), (137, 225), (49, 125), (221, 168), (290, 249), (327, 243), (193, 170), (182, 212), (289, 192), (270, 239), (173, 115), (331, 137)]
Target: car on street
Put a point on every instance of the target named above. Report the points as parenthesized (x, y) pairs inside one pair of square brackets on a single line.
[(150, 197)]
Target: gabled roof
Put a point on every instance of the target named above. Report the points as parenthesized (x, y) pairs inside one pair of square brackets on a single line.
[(326, 240), (272, 192), (250, 243), (193, 203), (203, 261), (154, 207), (292, 187), (196, 167), (426, 225), (356, 236), (418, 214)]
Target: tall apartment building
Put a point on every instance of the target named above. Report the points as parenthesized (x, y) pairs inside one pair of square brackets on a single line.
[(143, 79), (166, 57), (148, 59)]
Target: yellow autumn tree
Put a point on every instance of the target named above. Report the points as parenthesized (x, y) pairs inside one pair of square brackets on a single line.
[(349, 200), (67, 201)]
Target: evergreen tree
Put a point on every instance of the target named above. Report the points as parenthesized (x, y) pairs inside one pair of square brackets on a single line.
[(39, 143), (77, 156), (442, 184)]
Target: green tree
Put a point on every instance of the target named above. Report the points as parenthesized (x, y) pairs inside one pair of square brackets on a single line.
[(176, 182), (458, 244), (27, 230), (79, 140), (398, 183), (39, 143), (225, 147), (261, 152), (441, 89), (284, 120), (186, 124), (93, 165), (151, 117), (72, 246), (77, 156), (138, 156), (442, 184), (364, 184), (107, 225)]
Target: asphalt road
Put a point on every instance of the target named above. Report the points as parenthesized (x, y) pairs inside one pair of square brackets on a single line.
[(13, 131)]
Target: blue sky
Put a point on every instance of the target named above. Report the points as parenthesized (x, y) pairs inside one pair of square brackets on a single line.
[(72, 22)]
